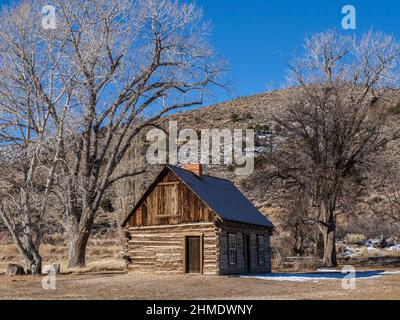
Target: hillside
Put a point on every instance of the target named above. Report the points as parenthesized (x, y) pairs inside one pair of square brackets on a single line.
[(255, 112), (242, 113)]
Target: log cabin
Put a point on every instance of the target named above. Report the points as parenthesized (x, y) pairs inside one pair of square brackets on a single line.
[(190, 223)]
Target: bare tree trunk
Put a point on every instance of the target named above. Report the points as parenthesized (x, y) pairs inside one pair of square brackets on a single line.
[(79, 225), (330, 248), (33, 261), (325, 216), (329, 235), (77, 249), (32, 238), (28, 244), (121, 234), (319, 245)]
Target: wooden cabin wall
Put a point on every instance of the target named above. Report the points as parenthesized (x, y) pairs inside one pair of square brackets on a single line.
[(240, 268), (163, 207), (160, 249)]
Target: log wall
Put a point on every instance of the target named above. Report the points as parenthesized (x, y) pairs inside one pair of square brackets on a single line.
[(160, 249), (240, 267)]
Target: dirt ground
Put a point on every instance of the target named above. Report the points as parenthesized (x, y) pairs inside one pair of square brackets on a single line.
[(150, 287)]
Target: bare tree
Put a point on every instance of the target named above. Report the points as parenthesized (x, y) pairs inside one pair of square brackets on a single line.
[(332, 123), (29, 139), (298, 222), (386, 203), (131, 62), (128, 191)]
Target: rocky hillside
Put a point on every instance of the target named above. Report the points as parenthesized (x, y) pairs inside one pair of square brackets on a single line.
[(243, 113), (255, 112)]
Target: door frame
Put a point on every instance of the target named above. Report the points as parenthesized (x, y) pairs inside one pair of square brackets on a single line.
[(184, 252)]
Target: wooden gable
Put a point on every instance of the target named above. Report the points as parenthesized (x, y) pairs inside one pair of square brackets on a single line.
[(170, 202)]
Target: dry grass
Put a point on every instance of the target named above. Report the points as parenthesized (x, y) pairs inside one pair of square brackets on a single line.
[(97, 266), (366, 254), (52, 251), (8, 251), (307, 264), (394, 253), (152, 287), (102, 255), (356, 239)]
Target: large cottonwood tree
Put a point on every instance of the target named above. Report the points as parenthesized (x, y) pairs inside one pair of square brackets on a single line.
[(132, 62), (332, 124), (109, 70), (30, 140)]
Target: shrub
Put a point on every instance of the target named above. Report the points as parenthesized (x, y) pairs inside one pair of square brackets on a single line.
[(340, 247), (261, 128), (355, 239), (281, 249), (249, 116), (234, 117), (364, 253), (396, 109), (305, 264), (278, 129), (278, 259), (5, 237), (106, 205)]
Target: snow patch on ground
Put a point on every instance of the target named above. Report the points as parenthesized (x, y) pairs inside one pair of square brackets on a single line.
[(394, 248), (321, 275), (355, 252)]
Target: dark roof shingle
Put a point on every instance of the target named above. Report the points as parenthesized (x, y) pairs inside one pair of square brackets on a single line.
[(223, 197)]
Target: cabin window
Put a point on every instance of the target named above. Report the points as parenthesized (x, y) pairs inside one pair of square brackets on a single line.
[(232, 245), (261, 250), (167, 197)]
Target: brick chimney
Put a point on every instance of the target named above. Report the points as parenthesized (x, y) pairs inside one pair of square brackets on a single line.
[(197, 169)]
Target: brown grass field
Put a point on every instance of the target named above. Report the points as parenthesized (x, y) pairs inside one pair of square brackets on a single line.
[(105, 278), (149, 287)]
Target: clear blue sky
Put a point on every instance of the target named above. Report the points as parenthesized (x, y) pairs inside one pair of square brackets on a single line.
[(257, 37)]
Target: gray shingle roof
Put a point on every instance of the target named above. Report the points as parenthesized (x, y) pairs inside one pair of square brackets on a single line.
[(223, 197)]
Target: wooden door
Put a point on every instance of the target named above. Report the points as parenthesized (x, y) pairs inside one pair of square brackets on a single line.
[(193, 255)]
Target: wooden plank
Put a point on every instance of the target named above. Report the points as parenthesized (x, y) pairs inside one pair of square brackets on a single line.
[(163, 249), (195, 225), (169, 183)]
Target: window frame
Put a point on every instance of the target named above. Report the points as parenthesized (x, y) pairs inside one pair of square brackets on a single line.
[(232, 250), (261, 247), (171, 187)]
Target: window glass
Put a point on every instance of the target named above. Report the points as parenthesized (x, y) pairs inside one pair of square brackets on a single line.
[(261, 250), (232, 239)]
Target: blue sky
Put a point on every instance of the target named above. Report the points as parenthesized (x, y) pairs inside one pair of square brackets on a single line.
[(258, 37)]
